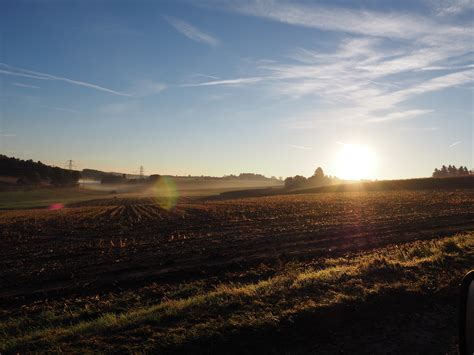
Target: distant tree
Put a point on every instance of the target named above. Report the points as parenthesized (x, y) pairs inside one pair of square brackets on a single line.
[(112, 179), (251, 176), (93, 174), (319, 172), (444, 171), (450, 171), (294, 182), (32, 173), (154, 178), (318, 179), (462, 171)]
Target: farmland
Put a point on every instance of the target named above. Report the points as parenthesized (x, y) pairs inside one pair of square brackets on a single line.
[(143, 274)]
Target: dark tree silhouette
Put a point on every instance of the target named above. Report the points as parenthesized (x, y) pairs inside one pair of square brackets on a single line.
[(318, 179), (294, 182), (154, 178), (29, 172), (450, 171), (113, 179), (319, 172)]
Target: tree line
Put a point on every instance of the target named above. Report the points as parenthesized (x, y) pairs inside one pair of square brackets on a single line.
[(318, 179), (116, 178), (450, 171), (29, 172)]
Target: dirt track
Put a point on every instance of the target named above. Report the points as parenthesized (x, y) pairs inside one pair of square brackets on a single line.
[(119, 243)]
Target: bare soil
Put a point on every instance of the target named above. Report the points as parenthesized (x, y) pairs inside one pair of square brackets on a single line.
[(119, 243)]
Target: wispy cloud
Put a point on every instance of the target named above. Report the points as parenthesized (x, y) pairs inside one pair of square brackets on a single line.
[(26, 86), (454, 144), (333, 18), (199, 75), (239, 81), (426, 129), (5, 134), (396, 116), (191, 31), (435, 84), (147, 87), (350, 74), (440, 67), (451, 7), (15, 71), (299, 147), (381, 61)]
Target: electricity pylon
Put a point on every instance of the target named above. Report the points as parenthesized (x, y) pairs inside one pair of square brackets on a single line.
[(70, 164)]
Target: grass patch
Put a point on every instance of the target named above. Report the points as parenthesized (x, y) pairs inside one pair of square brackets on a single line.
[(196, 312), (44, 197)]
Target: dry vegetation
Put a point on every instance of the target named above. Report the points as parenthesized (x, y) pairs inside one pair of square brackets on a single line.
[(373, 271)]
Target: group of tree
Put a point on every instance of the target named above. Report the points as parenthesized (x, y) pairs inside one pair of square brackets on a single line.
[(450, 171), (318, 179), (91, 174), (29, 172), (118, 179), (114, 179), (248, 176)]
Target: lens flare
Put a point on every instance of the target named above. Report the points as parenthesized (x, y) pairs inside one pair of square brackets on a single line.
[(56, 206), (166, 193)]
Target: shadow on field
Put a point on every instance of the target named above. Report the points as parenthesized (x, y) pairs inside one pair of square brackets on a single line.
[(397, 321)]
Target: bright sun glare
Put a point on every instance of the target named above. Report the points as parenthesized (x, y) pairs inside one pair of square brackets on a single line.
[(355, 162)]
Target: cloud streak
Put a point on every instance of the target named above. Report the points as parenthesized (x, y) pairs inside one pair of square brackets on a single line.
[(300, 147), (15, 71), (381, 61), (26, 86), (333, 18), (451, 7), (147, 87), (397, 116), (191, 31), (6, 135), (228, 82)]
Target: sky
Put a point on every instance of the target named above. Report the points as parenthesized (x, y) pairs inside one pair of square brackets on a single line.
[(223, 87)]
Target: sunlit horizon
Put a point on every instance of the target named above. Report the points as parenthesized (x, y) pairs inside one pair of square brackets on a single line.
[(236, 176), (190, 88), (356, 162)]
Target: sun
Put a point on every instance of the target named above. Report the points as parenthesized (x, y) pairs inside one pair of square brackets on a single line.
[(355, 162)]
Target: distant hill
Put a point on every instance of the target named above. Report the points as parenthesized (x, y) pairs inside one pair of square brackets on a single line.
[(27, 172), (91, 174), (461, 182), (98, 175)]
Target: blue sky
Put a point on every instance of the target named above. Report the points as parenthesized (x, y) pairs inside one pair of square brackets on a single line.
[(221, 87)]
